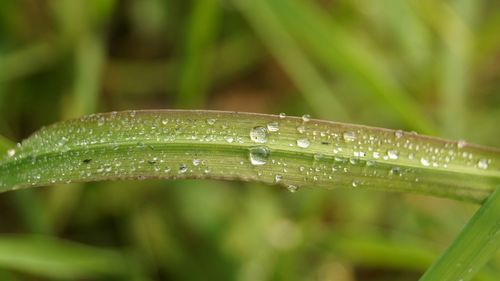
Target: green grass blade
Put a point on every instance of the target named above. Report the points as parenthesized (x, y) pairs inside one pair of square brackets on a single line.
[(58, 259), (198, 53), (288, 151), (338, 51), (313, 87), (474, 246)]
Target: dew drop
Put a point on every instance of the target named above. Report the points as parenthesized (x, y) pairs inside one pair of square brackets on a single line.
[(425, 162), (304, 143), (196, 162), (355, 183), (100, 121), (258, 155), (11, 152), (292, 188), (301, 129), (229, 139), (399, 134), (278, 178), (461, 144), (393, 154), (258, 134), (211, 121), (349, 136), (183, 168), (482, 164), (282, 115), (306, 117), (273, 127)]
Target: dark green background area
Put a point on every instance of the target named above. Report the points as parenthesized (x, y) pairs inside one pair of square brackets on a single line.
[(425, 66)]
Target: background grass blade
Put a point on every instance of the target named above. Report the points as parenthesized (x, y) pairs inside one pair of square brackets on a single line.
[(289, 151), (58, 259), (474, 246)]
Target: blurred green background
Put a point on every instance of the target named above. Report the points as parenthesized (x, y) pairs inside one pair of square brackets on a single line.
[(426, 66)]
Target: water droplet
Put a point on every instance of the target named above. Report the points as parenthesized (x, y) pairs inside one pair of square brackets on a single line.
[(461, 144), (258, 134), (304, 143), (11, 152), (100, 121), (306, 117), (132, 113), (301, 129), (258, 155), (229, 139), (349, 136), (183, 168), (196, 162), (355, 183), (273, 127), (399, 133), (483, 163), (292, 188), (211, 121), (425, 162), (282, 115), (278, 178), (393, 154)]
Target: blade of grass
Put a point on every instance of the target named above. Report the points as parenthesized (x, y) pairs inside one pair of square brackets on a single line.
[(314, 89), (343, 55), (289, 151), (58, 259), (28, 60), (455, 66), (474, 246), (198, 56)]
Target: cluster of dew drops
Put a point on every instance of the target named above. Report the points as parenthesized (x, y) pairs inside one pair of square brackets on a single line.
[(258, 154), (432, 156)]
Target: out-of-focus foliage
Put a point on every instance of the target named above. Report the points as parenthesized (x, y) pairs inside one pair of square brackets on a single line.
[(429, 66)]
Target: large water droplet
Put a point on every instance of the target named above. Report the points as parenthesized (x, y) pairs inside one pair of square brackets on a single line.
[(258, 155), (258, 134), (306, 117), (282, 115), (349, 136), (304, 143), (483, 164), (273, 127), (11, 152)]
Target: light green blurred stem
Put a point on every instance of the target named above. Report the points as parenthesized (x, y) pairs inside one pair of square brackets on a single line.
[(474, 246), (313, 87), (28, 60), (456, 60), (198, 53), (346, 57)]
